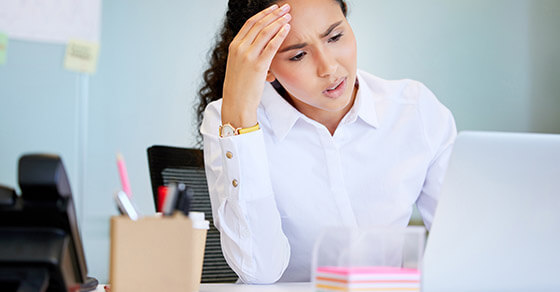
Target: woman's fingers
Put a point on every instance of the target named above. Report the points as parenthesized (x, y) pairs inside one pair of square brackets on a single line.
[(269, 33), (274, 44), (269, 21), (264, 22), (258, 31), (253, 20)]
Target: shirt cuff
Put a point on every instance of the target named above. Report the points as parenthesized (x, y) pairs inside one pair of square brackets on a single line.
[(246, 166)]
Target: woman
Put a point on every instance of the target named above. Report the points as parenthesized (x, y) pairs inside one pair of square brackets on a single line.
[(296, 138)]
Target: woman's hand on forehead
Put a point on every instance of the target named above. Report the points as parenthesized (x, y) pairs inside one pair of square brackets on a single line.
[(249, 58)]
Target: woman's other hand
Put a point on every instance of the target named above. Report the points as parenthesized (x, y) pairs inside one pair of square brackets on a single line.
[(249, 58)]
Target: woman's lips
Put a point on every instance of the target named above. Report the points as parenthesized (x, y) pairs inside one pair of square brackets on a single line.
[(337, 89)]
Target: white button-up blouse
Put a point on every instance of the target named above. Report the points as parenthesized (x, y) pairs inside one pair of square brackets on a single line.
[(274, 190)]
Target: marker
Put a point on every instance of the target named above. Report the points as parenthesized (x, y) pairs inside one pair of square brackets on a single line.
[(123, 175), (162, 192)]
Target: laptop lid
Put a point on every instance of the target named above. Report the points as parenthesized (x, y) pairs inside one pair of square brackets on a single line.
[(497, 225)]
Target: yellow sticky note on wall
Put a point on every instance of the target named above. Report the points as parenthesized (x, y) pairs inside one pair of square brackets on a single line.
[(3, 47), (81, 56)]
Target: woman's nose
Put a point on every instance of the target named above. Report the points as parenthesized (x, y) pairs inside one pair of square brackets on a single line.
[(326, 64)]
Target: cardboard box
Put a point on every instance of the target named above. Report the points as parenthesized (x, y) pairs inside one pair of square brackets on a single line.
[(156, 254)]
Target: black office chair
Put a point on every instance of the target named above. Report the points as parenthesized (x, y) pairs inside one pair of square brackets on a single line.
[(173, 164)]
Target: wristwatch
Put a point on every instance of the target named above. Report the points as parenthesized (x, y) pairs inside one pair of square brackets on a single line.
[(227, 130)]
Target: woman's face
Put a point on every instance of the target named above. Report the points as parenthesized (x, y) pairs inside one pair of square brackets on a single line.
[(316, 64)]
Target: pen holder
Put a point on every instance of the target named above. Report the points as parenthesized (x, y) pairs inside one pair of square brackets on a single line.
[(156, 254)]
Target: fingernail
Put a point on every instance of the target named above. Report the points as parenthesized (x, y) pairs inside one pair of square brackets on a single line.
[(272, 7), (285, 7), (287, 16)]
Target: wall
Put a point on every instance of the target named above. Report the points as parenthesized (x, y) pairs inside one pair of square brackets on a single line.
[(495, 64)]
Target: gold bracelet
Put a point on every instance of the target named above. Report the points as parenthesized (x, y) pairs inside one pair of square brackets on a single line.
[(248, 130)]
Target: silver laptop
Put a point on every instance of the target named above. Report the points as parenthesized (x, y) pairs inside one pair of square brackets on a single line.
[(497, 225)]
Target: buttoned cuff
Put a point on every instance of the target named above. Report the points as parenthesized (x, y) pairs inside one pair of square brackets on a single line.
[(246, 166)]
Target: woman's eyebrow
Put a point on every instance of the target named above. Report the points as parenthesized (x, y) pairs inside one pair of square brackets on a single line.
[(330, 29), (293, 47), (302, 45)]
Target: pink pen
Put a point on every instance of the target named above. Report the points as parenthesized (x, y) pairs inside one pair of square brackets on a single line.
[(124, 175)]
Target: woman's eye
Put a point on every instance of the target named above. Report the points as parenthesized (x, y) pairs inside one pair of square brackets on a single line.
[(335, 38), (298, 57)]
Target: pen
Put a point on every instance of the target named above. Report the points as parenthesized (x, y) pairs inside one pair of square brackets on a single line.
[(170, 199), (185, 196), (123, 175)]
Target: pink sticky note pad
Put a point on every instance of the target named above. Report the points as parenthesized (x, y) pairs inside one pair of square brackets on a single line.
[(366, 270)]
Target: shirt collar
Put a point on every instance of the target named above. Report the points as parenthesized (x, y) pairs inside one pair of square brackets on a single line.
[(280, 113), (364, 105), (283, 116)]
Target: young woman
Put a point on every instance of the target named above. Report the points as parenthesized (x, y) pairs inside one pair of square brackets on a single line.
[(296, 138)]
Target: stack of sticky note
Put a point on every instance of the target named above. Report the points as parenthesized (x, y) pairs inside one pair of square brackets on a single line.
[(367, 279)]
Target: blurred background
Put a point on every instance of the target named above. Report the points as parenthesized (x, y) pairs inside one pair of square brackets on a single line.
[(494, 64)]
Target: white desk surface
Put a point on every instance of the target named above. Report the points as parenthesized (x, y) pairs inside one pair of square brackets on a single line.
[(278, 287)]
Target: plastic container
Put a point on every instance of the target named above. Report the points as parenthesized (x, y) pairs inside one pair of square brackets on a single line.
[(360, 259)]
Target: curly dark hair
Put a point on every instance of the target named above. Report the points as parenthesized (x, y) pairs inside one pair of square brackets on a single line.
[(213, 78)]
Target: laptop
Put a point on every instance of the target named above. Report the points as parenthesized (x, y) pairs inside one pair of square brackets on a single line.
[(497, 225)]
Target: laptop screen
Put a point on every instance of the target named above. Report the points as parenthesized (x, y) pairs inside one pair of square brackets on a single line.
[(496, 227)]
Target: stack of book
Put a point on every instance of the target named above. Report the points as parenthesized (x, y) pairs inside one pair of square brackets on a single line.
[(367, 279)]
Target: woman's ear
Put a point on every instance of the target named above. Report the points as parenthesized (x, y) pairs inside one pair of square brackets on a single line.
[(270, 77)]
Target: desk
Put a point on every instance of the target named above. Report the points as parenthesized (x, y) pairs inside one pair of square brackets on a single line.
[(278, 287)]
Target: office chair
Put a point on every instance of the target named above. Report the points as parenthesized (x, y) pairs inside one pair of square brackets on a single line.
[(173, 164)]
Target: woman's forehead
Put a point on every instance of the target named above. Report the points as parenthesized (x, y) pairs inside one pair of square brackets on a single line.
[(313, 8), (313, 16)]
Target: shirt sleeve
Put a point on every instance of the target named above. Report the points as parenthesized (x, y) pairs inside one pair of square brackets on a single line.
[(243, 204), (440, 133)]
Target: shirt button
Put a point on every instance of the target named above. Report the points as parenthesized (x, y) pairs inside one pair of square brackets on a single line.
[(229, 154), (235, 183)]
